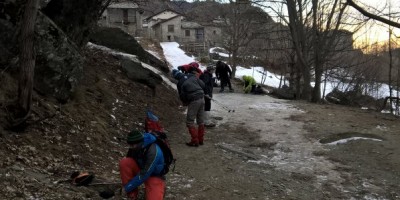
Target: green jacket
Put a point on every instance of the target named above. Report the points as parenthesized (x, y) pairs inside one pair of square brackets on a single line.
[(248, 82)]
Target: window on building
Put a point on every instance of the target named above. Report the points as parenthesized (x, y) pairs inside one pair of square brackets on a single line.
[(125, 16), (187, 33), (170, 28), (199, 35)]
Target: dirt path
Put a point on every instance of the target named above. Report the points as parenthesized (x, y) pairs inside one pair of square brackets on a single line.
[(271, 149)]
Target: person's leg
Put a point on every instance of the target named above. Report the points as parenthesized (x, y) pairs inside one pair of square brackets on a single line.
[(207, 115), (190, 118), (253, 89), (207, 104), (128, 169), (200, 110), (200, 121), (229, 84), (155, 188), (222, 86), (246, 84)]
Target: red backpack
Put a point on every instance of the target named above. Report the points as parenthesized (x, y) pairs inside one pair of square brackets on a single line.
[(151, 123), (153, 126)]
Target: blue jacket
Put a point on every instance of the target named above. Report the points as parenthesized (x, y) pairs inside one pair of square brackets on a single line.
[(150, 161)]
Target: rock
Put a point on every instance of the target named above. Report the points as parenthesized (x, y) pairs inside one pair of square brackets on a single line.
[(116, 38), (136, 72), (7, 42), (284, 93), (59, 64)]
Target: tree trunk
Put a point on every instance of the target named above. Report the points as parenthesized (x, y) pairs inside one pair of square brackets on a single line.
[(27, 57), (306, 92), (390, 70), (316, 93), (234, 55)]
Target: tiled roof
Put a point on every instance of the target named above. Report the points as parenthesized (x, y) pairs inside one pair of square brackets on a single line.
[(123, 5), (186, 24)]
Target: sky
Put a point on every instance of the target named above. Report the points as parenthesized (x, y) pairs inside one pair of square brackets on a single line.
[(376, 31)]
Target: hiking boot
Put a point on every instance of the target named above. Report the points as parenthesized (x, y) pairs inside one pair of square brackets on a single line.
[(201, 143), (221, 91), (231, 90), (192, 144)]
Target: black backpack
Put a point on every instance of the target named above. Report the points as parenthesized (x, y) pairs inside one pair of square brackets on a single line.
[(162, 142)]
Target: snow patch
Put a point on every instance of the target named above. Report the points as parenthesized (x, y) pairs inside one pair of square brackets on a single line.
[(343, 141)]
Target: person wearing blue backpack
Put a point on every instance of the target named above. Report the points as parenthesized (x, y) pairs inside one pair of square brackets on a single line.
[(144, 163)]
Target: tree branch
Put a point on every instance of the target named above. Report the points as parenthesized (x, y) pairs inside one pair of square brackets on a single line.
[(372, 16)]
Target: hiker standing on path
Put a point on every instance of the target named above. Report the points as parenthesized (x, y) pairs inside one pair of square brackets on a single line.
[(207, 78), (191, 93), (144, 163), (249, 84), (192, 67), (224, 73)]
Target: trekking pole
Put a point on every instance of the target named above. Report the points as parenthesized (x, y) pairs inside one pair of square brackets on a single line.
[(223, 106), (96, 184)]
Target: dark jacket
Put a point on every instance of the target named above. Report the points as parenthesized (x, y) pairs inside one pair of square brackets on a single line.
[(208, 80), (150, 161), (223, 70), (190, 88)]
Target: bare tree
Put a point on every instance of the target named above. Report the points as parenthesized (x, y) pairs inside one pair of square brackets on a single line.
[(373, 16), (315, 29), (27, 61), (241, 24)]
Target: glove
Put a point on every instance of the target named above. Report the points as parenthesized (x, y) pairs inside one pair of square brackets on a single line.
[(207, 96)]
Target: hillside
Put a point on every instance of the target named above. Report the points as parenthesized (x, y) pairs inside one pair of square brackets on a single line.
[(85, 134)]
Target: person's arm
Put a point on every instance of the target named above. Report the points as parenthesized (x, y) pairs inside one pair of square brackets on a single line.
[(180, 68), (247, 89), (217, 71), (179, 87), (148, 168), (198, 70), (253, 81), (229, 71)]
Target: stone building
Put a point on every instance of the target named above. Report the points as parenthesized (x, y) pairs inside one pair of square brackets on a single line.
[(124, 15)]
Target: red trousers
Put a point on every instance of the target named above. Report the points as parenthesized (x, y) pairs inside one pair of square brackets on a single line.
[(154, 186)]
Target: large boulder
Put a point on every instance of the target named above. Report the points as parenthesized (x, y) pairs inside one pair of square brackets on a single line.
[(352, 98), (136, 72), (59, 64), (284, 93), (115, 38), (76, 18)]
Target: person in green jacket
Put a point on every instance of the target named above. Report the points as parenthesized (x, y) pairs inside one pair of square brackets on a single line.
[(249, 84)]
